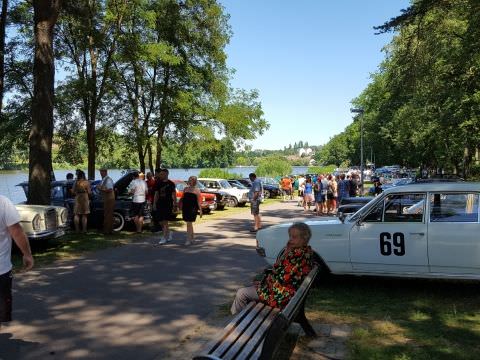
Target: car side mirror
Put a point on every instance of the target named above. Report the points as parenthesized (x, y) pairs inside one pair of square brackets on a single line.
[(342, 217)]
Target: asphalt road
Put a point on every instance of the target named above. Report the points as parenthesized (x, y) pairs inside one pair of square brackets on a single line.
[(137, 301)]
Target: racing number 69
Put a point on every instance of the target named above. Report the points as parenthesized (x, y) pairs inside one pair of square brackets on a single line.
[(387, 241)]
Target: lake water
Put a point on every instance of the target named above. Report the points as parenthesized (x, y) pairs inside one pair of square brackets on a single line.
[(8, 179)]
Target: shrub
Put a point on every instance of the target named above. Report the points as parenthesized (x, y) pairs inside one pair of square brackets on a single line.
[(328, 169), (273, 167), (218, 173)]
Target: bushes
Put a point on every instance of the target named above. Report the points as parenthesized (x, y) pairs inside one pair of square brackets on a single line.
[(218, 173), (273, 167), (321, 169)]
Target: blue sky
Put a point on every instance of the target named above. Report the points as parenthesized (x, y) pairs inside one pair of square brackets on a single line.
[(308, 59)]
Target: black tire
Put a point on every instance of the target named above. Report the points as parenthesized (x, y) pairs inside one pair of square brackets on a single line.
[(266, 194), (206, 211), (232, 202), (118, 221), (323, 273), (220, 207)]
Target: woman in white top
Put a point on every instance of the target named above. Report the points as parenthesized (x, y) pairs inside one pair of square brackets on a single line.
[(138, 188)]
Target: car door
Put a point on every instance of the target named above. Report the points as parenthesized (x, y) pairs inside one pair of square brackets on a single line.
[(392, 236), (453, 228)]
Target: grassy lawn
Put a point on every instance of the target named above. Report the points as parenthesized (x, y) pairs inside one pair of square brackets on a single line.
[(402, 319)]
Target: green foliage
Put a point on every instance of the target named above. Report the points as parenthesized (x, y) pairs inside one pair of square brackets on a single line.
[(218, 173), (273, 166), (328, 169)]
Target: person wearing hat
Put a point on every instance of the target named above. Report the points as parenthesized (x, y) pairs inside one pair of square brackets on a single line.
[(108, 195)]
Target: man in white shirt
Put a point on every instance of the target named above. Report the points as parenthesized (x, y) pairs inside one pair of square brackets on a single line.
[(138, 188), (10, 228)]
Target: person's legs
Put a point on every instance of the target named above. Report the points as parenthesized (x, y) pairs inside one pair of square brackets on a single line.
[(189, 233), (6, 297), (258, 222), (84, 222), (242, 298), (140, 223), (76, 221)]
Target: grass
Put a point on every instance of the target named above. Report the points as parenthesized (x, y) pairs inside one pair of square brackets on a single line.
[(402, 319)]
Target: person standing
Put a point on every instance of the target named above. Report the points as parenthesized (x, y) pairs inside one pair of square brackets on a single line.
[(308, 198), (286, 184), (10, 228), (138, 188), (108, 195), (191, 204), (165, 203), (81, 209), (255, 197)]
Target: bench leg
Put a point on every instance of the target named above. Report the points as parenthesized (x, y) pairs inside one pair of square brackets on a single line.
[(302, 320)]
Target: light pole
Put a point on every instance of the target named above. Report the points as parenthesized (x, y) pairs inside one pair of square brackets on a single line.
[(360, 112)]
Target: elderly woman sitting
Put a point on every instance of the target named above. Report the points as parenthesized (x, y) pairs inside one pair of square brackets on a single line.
[(278, 286)]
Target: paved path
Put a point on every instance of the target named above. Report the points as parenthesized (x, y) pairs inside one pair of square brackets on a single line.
[(137, 301)]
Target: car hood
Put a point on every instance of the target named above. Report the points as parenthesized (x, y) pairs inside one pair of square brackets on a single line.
[(274, 238)]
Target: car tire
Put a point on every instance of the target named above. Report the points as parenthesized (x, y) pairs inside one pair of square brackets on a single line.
[(232, 202), (206, 211), (220, 207), (323, 273), (118, 221), (266, 194)]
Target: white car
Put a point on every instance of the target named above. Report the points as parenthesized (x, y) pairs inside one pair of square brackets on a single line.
[(239, 196), (428, 230), (42, 222)]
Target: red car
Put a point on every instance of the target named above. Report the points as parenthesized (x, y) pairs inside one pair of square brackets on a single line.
[(208, 200)]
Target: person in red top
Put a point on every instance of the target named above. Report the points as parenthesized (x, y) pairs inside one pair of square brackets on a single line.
[(279, 284), (151, 187)]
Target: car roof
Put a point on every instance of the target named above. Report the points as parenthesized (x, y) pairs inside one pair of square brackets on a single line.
[(211, 179), (435, 186)]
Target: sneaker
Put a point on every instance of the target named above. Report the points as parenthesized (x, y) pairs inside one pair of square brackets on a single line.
[(169, 237), (162, 241)]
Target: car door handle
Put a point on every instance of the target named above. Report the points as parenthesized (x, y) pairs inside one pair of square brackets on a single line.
[(419, 233)]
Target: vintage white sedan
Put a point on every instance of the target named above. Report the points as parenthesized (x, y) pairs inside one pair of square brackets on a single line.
[(428, 230), (42, 222)]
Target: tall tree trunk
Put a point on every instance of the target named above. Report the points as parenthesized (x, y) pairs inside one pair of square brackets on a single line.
[(41, 134), (3, 25), (91, 146), (150, 156)]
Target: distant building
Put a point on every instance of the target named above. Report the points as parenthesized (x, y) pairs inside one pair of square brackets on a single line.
[(305, 152)]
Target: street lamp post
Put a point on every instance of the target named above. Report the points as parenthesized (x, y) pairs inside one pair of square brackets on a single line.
[(360, 112)]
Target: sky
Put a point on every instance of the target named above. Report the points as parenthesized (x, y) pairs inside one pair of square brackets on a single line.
[(308, 59)]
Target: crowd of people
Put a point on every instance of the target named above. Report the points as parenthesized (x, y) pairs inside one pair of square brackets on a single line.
[(323, 192)]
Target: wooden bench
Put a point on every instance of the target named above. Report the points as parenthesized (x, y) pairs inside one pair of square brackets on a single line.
[(257, 331)]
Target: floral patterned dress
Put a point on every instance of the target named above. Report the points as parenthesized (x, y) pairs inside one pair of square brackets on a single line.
[(278, 287)]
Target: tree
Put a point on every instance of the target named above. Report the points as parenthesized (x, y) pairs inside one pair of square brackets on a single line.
[(41, 134)]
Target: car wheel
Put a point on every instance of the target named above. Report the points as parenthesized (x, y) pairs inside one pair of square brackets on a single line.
[(220, 207), (323, 273), (266, 194), (118, 221), (206, 211), (232, 202)]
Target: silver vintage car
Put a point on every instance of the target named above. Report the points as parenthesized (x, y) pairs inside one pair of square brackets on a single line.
[(425, 230)]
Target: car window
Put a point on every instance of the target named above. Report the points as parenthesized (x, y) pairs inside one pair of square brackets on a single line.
[(398, 208), (404, 208), (180, 186), (225, 184), (57, 193), (456, 207)]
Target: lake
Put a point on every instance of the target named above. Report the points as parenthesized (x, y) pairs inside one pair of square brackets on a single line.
[(8, 179)]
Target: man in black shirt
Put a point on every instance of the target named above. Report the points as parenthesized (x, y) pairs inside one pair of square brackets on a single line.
[(165, 203)]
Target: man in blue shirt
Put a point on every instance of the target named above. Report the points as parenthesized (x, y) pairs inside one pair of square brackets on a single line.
[(255, 197)]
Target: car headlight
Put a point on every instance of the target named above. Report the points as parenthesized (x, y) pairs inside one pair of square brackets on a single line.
[(64, 216), (37, 222)]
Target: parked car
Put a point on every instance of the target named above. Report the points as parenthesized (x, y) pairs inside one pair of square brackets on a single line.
[(123, 201), (239, 197), (221, 197), (425, 230), (269, 190), (208, 199), (41, 222)]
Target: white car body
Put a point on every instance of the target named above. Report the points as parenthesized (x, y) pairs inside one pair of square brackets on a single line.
[(240, 195), (42, 222), (428, 230)]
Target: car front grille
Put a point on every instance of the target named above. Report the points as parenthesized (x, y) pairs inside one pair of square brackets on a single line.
[(51, 219)]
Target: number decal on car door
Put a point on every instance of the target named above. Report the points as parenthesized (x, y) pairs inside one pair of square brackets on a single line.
[(389, 241)]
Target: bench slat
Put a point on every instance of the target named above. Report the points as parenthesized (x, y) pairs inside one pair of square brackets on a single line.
[(253, 335), (237, 330)]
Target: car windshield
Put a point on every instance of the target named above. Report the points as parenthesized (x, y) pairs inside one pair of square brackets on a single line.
[(238, 185), (180, 186), (225, 184)]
